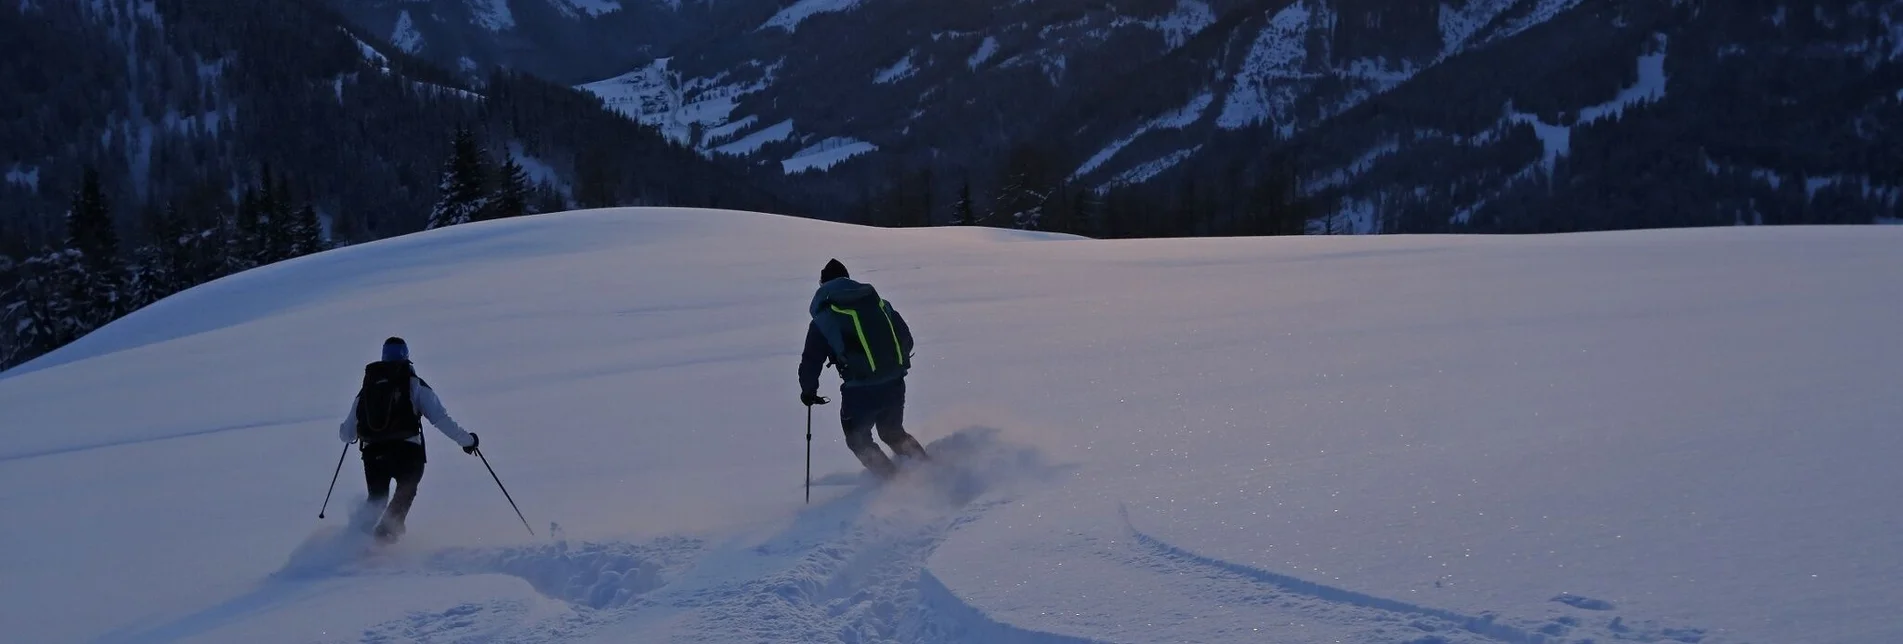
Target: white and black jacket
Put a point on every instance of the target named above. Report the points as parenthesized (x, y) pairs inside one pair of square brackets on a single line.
[(427, 405)]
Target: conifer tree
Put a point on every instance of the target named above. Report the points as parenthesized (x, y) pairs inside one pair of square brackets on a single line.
[(961, 211), (511, 198), (96, 292), (463, 191), (306, 232), (89, 227)]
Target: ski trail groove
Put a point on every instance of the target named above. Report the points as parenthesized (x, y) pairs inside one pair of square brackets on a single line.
[(1479, 625), (850, 568), (1572, 627)]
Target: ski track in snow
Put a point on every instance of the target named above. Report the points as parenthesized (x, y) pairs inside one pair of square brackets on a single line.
[(1236, 584), (1172, 519), (850, 568), (162, 436)]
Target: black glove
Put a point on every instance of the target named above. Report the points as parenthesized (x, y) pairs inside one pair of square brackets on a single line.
[(473, 442), (809, 399)]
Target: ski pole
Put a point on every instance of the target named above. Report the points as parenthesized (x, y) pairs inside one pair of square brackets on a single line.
[(505, 491), (809, 454), (333, 481)]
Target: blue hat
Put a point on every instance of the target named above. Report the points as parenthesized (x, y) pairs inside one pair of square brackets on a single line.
[(394, 350)]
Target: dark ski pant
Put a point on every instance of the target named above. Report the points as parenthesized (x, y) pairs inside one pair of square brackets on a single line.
[(881, 406), (401, 462)]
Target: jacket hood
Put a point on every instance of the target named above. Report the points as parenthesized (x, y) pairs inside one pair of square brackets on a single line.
[(841, 290)]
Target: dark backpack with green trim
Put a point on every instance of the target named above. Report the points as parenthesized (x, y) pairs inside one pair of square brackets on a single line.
[(868, 348)]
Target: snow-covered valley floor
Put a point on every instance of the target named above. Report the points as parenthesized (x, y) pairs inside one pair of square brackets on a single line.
[(1660, 436)]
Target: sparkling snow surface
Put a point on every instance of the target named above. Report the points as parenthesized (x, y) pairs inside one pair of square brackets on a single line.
[(1663, 436)]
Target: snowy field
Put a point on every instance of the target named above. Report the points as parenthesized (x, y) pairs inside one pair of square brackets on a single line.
[(1663, 436)]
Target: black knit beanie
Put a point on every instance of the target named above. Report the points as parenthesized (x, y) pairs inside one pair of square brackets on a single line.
[(832, 271)]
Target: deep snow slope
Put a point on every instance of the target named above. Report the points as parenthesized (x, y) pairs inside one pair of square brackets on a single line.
[(1658, 436)]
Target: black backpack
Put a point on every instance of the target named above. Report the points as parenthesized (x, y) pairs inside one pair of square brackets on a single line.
[(384, 410), (870, 350)]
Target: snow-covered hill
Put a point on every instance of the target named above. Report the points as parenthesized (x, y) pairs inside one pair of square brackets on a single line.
[(1670, 436)]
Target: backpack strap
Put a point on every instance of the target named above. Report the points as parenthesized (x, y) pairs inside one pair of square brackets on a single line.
[(864, 346), (886, 310)]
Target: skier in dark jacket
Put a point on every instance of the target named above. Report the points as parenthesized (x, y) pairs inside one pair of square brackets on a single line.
[(861, 334), (387, 417)]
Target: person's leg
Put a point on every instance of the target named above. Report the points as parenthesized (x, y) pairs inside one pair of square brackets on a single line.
[(407, 469), (858, 413), (376, 478), (890, 419)]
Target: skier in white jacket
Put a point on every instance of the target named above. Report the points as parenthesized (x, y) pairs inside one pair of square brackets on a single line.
[(387, 418)]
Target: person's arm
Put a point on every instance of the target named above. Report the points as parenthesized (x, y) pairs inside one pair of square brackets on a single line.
[(813, 360), (431, 407), (348, 431)]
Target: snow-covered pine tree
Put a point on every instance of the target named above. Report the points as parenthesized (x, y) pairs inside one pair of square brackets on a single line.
[(1087, 210), (38, 308), (89, 229), (511, 198), (549, 199), (1028, 184), (464, 190), (961, 211), (1022, 203), (160, 268), (242, 234), (273, 242), (306, 232)]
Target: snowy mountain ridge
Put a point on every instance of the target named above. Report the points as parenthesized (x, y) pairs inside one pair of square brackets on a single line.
[(929, 88), (1266, 88)]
